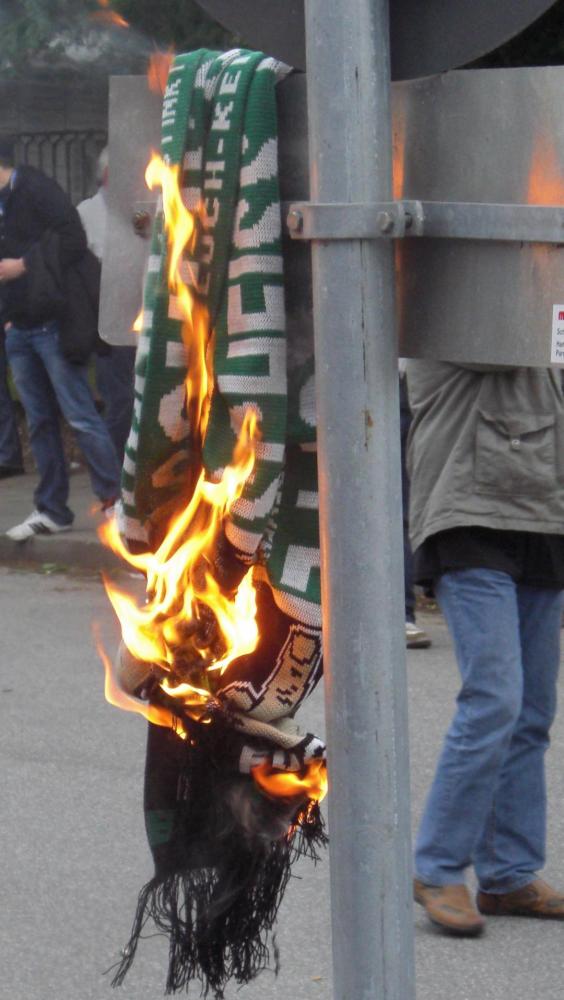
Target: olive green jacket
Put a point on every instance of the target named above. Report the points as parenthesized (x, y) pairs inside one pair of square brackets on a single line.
[(486, 447)]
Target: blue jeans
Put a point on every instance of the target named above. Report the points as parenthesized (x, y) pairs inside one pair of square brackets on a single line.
[(114, 378), (487, 804), (46, 381), (10, 448)]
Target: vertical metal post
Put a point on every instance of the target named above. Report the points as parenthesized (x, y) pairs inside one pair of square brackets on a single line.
[(348, 73)]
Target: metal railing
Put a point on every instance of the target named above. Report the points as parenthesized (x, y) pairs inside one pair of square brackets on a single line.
[(69, 156)]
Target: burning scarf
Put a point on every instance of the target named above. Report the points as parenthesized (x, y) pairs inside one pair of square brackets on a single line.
[(232, 786), (220, 126)]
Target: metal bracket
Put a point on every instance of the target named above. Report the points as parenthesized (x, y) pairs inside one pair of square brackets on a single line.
[(308, 221), (433, 219)]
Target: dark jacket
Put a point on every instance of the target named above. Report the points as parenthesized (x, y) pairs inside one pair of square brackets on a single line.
[(70, 296), (36, 206)]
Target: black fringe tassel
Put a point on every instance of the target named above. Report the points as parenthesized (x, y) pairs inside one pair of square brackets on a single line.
[(219, 920)]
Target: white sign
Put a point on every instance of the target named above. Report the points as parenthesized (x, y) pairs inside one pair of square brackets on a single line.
[(557, 349)]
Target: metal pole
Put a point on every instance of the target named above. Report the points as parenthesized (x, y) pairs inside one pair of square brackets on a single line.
[(348, 77)]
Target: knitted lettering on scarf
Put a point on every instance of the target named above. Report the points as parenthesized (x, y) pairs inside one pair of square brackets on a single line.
[(215, 892)]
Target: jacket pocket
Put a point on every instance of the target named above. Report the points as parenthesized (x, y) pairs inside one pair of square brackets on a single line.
[(515, 453)]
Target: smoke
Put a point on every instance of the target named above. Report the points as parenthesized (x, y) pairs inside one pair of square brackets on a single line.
[(90, 45), (83, 42)]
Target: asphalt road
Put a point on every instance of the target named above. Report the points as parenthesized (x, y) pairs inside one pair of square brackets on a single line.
[(73, 851)]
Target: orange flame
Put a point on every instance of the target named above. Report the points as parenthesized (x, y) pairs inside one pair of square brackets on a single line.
[(546, 180), (181, 228), (180, 582), (108, 16), (138, 322), (398, 157), (159, 66), (175, 581), (293, 784), (115, 696)]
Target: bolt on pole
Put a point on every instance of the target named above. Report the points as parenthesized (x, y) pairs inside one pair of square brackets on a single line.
[(348, 74)]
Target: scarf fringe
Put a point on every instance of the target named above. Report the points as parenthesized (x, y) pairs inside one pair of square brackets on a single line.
[(219, 920)]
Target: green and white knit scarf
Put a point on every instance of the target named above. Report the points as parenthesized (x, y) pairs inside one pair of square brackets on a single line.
[(219, 125), (216, 890)]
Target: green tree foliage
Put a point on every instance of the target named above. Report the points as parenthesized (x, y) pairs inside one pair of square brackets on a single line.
[(29, 28), (39, 33)]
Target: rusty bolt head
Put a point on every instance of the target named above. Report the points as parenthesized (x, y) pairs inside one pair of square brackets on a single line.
[(142, 222)]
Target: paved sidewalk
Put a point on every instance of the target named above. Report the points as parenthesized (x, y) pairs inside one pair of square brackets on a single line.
[(78, 548)]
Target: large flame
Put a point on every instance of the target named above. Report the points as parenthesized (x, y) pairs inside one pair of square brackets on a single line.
[(180, 584)]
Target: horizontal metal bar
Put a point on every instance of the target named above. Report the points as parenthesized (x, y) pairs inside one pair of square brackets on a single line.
[(475, 221), (432, 219), (308, 221)]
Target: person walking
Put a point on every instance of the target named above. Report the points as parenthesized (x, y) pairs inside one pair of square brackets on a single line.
[(115, 365), (486, 463), (37, 212), (11, 460), (415, 636)]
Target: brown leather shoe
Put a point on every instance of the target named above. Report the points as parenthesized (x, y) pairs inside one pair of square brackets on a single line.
[(450, 907), (536, 899)]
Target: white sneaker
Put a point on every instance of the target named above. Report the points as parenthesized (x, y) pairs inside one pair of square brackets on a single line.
[(416, 637), (38, 523)]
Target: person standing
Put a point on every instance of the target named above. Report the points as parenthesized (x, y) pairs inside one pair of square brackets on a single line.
[(36, 213), (116, 364), (11, 460), (415, 636), (486, 463)]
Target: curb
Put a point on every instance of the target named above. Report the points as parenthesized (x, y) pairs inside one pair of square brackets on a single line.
[(67, 553)]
